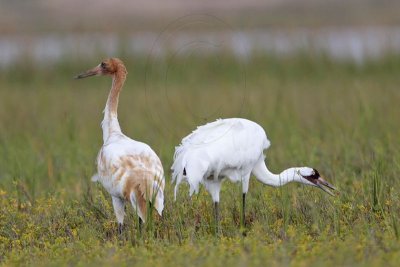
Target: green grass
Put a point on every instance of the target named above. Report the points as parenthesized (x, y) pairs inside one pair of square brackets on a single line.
[(340, 118)]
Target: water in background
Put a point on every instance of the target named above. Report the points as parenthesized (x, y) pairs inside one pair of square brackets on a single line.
[(354, 44)]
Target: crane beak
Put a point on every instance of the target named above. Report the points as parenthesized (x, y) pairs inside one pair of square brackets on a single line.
[(91, 72), (324, 185)]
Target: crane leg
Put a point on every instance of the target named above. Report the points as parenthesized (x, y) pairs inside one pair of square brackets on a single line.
[(140, 225), (119, 209), (216, 213), (120, 228), (244, 209)]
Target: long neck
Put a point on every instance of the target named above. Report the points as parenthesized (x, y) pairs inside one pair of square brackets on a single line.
[(265, 176), (110, 122)]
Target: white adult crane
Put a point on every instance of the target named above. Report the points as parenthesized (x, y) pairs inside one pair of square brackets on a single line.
[(234, 149)]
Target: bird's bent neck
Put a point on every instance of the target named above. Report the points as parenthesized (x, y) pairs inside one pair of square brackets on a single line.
[(110, 122), (269, 178)]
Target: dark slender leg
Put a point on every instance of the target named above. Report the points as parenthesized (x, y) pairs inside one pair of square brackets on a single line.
[(244, 209), (216, 210), (140, 225), (120, 228)]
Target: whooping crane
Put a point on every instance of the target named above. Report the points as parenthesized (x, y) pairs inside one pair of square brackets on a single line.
[(129, 170), (232, 148)]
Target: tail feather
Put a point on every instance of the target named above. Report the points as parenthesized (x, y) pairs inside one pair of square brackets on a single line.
[(188, 166), (178, 168), (146, 189), (139, 204), (158, 197)]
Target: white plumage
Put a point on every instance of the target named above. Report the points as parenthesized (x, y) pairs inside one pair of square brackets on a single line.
[(129, 170), (224, 148), (233, 149)]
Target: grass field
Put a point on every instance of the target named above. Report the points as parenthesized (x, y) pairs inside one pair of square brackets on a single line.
[(340, 118)]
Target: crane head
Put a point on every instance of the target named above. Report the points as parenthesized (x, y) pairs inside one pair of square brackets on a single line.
[(109, 66), (313, 178)]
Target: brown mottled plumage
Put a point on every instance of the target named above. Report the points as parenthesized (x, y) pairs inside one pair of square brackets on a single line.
[(128, 169)]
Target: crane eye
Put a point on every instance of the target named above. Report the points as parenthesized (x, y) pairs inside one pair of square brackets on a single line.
[(103, 65)]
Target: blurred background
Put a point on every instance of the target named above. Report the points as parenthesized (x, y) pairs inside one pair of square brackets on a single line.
[(46, 31)]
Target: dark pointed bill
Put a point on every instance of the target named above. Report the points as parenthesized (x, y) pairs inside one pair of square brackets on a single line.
[(92, 72), (324, 185)]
